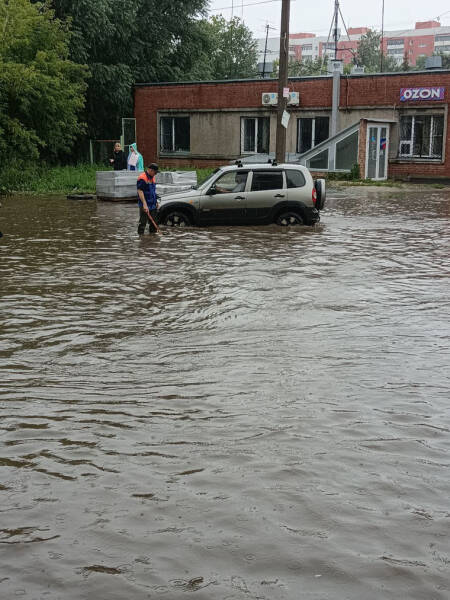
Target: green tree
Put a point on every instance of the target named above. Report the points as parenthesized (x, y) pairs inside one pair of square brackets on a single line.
[(420, 62), (229, 49), (308, 67), (41, 90), (123, 41), (405, 64), (368, 54), (303, 68)]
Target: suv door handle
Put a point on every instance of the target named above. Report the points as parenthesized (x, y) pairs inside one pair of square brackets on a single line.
[(240, 198), (279, 195)]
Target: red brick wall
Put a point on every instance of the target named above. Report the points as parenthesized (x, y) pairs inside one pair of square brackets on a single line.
[(362, 147), (150, 99), (362, 91)]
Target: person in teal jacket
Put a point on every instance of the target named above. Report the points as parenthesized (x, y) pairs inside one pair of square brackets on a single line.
[(139, 166)]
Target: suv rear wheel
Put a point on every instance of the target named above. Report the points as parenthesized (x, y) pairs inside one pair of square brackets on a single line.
[(289, 218), (176, 218)]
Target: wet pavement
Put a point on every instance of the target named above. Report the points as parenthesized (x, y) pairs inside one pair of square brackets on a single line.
[(235, 413)]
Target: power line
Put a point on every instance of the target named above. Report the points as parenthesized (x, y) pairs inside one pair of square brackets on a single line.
[(242, 5)]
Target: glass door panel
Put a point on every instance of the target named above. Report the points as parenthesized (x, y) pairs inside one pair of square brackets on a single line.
[(377, 152), (372, 153), (382, 162)]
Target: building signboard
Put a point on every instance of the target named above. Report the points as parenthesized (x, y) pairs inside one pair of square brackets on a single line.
[(422, 94)]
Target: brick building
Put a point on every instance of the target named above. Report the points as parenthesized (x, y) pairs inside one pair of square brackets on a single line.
[(392, 125), (426, 38)]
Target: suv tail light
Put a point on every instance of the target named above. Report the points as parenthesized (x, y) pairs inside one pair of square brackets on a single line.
[(314, 195)]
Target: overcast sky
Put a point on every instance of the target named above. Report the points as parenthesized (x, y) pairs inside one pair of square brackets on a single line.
[(315, 16)]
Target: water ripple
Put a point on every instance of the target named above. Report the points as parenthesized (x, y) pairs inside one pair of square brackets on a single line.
[(230, 412)]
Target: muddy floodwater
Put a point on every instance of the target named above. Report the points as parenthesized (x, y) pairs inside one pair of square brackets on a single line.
[(226, 413)]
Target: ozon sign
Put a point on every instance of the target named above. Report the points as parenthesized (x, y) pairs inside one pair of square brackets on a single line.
[(424, 93)]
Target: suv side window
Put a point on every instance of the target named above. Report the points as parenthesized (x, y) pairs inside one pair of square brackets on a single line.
[(294, 178), (231, 182), (267, 180)]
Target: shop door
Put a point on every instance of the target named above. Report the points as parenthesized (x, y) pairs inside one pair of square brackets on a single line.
[(377, 151)]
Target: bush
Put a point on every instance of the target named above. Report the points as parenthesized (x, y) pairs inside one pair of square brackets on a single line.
[(355, 173), (41, 179), (79, 179)]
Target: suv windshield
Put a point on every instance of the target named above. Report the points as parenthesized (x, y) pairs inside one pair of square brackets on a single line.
[(208, 180)]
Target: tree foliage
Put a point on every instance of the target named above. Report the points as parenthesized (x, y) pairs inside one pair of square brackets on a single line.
[(420, 62), (41, 90), (111, 44), (303, 68), (124, 42), (229, 49), (369, 56)]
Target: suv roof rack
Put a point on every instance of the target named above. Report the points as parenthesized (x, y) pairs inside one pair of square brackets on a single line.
[(238, 163)]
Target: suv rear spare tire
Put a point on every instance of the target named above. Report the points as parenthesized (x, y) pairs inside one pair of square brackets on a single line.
[(319, 184)]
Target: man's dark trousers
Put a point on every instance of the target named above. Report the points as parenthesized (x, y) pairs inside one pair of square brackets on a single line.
[(143, 220)]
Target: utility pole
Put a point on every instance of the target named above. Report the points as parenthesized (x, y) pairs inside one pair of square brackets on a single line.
[(382, 38), (265, 52), (280, 153), (336, 31)]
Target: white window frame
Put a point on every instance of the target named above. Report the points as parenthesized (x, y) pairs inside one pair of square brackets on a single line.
[(313, 130), (172, 150), (379, 127), (410, 141), (256, 119)]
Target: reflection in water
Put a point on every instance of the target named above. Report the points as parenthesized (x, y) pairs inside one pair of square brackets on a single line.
[(235, 412)]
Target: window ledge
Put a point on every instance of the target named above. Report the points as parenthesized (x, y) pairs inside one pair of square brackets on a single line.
[(400, 160), (187, 153)]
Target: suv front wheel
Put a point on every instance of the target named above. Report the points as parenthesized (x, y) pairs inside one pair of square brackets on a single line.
[(176, 218), (288, 218)]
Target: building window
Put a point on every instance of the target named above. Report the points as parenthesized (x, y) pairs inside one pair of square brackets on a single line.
[(310, 132), (421, 136), (347, 152), (255, 135), (319, 161), (395, 42), (175, 134), (307, 48)]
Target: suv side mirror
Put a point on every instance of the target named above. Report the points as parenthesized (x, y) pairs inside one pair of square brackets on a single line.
[(212, 190)]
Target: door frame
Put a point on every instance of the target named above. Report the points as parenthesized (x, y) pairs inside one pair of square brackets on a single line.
[(378, 127)]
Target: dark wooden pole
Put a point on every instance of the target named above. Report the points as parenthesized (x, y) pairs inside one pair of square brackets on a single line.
[(382, 39), (283, 80)]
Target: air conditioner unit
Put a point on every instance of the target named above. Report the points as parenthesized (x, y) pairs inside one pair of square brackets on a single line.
[(270, 99), (294, 98)]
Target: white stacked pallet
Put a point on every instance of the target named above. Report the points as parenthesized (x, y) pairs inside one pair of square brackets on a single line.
[(121, 185)]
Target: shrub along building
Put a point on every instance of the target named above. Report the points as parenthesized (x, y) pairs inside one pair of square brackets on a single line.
[(390, 125)]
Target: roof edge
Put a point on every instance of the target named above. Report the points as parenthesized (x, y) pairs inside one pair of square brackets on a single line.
[(306, 78)]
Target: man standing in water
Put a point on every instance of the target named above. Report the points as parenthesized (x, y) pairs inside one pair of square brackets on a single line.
[(146, 189)]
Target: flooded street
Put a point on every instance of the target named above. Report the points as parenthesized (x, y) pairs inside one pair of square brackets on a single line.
[(231, 413)]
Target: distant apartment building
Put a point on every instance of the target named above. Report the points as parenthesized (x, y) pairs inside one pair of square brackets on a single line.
[(425, 39)]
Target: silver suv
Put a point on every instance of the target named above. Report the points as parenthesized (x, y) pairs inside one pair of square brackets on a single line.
[(250, 194)]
